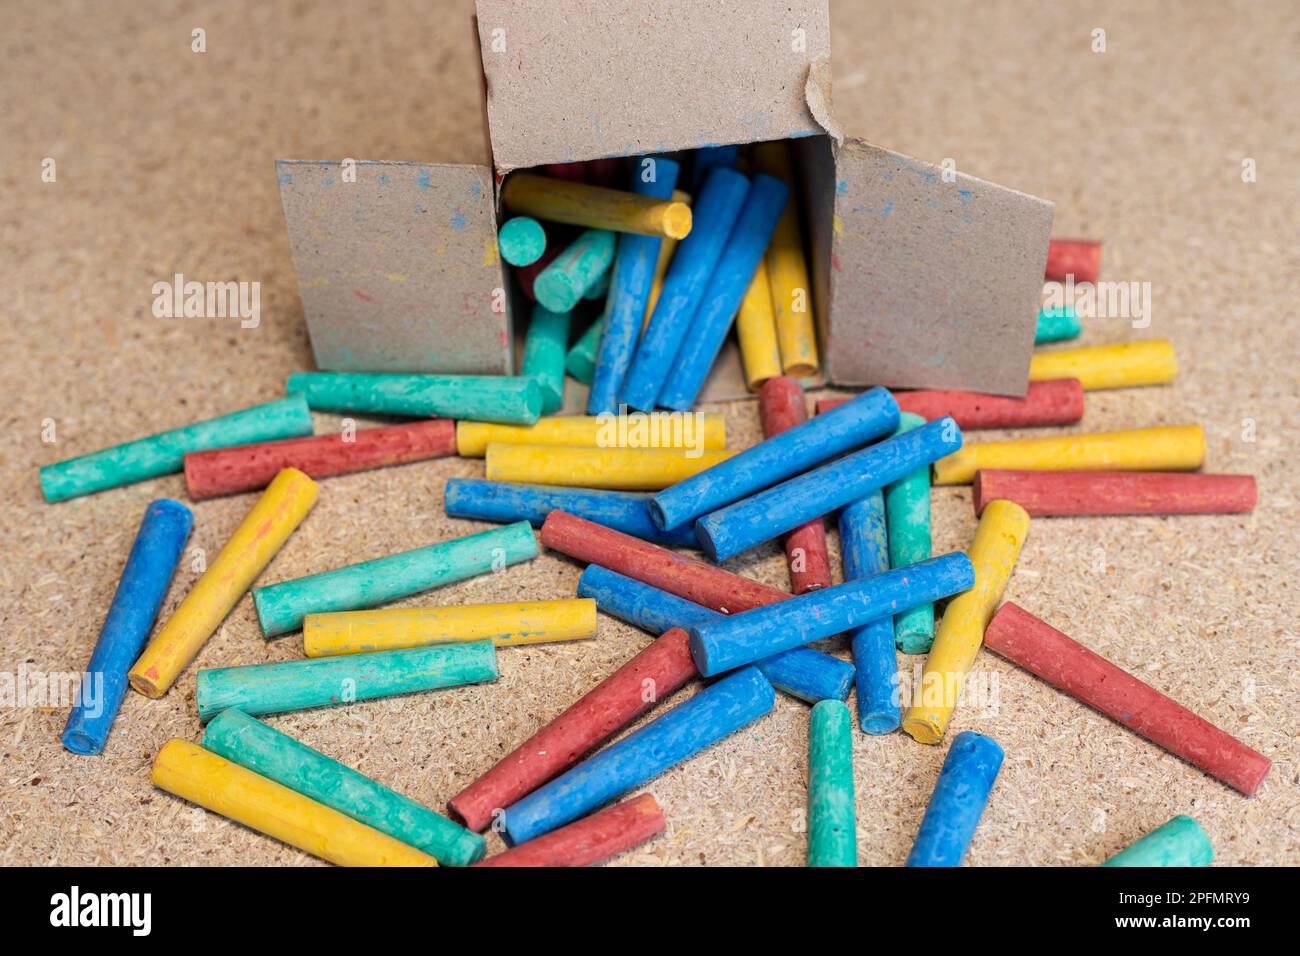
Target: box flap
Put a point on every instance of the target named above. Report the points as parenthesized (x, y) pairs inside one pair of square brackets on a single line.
[(934, 281), (571, 80)]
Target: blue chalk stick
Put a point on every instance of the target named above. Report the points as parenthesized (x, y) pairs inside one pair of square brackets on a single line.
[(682, 732), (688, 275), (761, 517), (508, 501), (633, 275), (709, 156), (865, 548), (727, 286), (959, 797), (740, 639), (863, 418), (140, 592), (804, 673)]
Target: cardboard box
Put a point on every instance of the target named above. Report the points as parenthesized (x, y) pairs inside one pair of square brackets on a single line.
[(923, 277)]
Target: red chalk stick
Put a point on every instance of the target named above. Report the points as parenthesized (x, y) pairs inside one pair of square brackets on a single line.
[(1047, 493), (781, 407), (1054, 402), (686, 577), (574, 172), (1078, 257), (607, 172), (591, 839), (1042, 650), (664, 666), (228, 471)]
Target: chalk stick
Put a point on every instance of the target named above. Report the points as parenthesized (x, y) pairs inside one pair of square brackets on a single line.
[(993, 552), (740, 639), (230, 471), (580, 360), (506, 625), (164, 453), (574, 172), (590, 840), (735, 528), (607, 172), (1080, 258), (705, 158), (633, 276), (261, 534), (600, 288), (1068, 666), (723, 294), (1057, 324), (865, 549), (299, 685), (594, 207), (637, 430), (867, 417), (781, 406), (281, 607), (563, 283), (269, 753), (1054, 493), (628, 693), (714, 713), (1164, 448), (803, 672), (1054, 402), (756, 331), (1177, 842), (716, 209), (508, 501), (140, 592), (521, 240), (618, 469), (527, 275), (513, 400), (544, 349), (907, 520), (667, 247), (960, 795), (1125, 365), (215, 783), (832, 833)]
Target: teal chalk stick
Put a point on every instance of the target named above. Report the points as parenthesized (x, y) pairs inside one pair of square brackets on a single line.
[(544, 348), (508, 399), (1180, 842), (907, 516), (581, 360), (600, 288), (281, 607), (563, 283), (264, 750), (832, 835), (522, 240), (164, 453), (1057, 324), (298, 685)]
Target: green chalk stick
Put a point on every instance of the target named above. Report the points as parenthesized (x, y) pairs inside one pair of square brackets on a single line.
[(575, 270), (297, 685), (832, 834), (548, 337), (264, 750), (522, 240), (907, 518), (1180, 842), (600, 288), (509, 399), (581, 360), (1057, 324), (164, 453), (281, 607)]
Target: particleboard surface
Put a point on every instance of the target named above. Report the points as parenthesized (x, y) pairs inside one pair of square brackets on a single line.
[(165, 165)]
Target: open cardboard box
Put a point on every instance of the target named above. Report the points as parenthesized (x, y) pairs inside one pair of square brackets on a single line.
[(923, 277)]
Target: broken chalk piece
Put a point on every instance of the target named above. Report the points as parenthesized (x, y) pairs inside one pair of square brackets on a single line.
[(756, 332), (544, 351), (1179, 842), (514, 400), (832, 828), (637, 430), (960, 795), (1053, 402), (591, 839), (907, 518), (1080, 258), (1057, 324), (562, 284), (620, 469), (866, 552), (595, 207), (1125, 365), (522, 240), (1050, 493)]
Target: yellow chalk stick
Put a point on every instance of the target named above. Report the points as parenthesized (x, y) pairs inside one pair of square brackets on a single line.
[(202, 777), (787, 268), (1126, 365), (666, 249), (1165, 448), (637, 430), (595, 207), (524, 622), (259, 536), (619, 469), (998, 538), (756, 329)]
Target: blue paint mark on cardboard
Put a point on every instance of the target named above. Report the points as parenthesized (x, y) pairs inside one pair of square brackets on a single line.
[(458, 220)]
